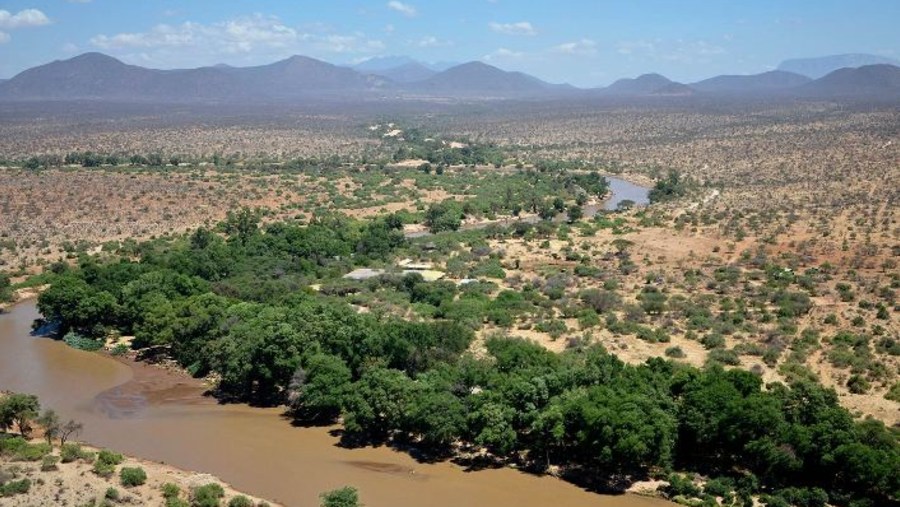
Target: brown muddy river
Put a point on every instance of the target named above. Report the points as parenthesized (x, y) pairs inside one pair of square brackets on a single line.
[(161, 416)]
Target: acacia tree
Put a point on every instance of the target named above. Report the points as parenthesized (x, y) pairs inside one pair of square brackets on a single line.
[(18, 410), (70, 429), (49, 420)]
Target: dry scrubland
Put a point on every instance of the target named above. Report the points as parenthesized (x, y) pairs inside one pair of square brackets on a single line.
[(803, 185), (49, 215), (811, 189)]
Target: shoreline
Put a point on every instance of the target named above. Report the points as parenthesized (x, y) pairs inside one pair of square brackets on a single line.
[(153, 386), (80, 484), (75, 483)]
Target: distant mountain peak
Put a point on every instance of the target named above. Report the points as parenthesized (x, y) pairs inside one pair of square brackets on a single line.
[(645, 84), (820, 66), (879, 80), (96, 76), (484, 80)]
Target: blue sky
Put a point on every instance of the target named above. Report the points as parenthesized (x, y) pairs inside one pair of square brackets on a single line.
[(586, 43)]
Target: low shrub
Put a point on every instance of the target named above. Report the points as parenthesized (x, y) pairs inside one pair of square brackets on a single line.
[(105, 464), (79, 342), (15, 488), (49, 463), (132, 476), (20, 450), (71, 452), (207, 495), (240, 501), (675, 352), (680, 485)]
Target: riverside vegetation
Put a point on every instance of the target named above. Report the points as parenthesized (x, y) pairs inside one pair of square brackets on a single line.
[(740, 328), (236, 305)]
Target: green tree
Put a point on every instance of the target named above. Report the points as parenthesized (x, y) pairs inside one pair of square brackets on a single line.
[(444, 216), (319, 387), (17, 411), (49, 420), (378, 402), (242, 224), (574, 213)]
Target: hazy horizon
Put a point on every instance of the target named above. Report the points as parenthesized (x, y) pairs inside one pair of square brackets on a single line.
[(583, 43)]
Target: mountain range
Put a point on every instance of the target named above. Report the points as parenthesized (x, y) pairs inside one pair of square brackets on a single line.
[(95, 76), (814, 68)]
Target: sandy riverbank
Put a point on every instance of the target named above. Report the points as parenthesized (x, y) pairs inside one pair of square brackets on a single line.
[(76, 484)]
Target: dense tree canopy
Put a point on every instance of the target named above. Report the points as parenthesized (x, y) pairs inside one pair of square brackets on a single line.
[(238, 306)]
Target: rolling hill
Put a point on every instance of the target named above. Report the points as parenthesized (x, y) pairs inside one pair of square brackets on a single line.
[(98, 77), (818, 67), (647, 84), (775, 80), (477, 79), (873, 81)]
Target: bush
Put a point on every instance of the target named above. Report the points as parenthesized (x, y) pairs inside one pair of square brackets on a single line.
[(79, 342), (675, 352), (723, 356), (112, 494), (680, 485), (49, 463), (170, 490), (805, 497), (106, 462), (171, 493), (207, 495), (720, 486), (240, 501), (893, 393), (71, 452), (132, 476), (713, 341), (343, 497), (20, 450), (857, 384), (110, 457), (15, 487), (103, 469)]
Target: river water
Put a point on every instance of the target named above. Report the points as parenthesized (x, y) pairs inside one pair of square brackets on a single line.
[(625, 191), (159, 415), (620, 190)]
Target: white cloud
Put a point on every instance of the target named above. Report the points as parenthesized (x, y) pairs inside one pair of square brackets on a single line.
[(679, 50), (503, 54), (431, 41), (405, 9), (635, 47), (579, 47), (241, 40), (355, 43), (520, 28), (22, 19), (4, 37), (239, 35)]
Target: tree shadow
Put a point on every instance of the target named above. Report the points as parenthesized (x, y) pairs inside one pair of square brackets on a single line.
[(43, 328)]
